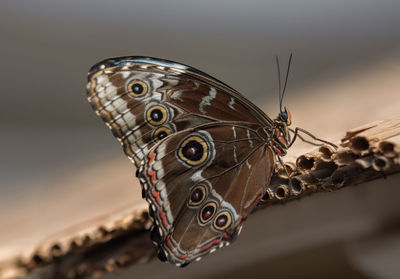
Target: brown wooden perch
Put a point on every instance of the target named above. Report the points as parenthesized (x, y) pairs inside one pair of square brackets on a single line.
[(120, 239)]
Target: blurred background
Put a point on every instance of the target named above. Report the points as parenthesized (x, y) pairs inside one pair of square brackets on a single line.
[(59, 164)]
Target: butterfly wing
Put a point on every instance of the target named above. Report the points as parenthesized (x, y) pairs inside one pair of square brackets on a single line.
[(201, 183), (143, 100), (203, 164)]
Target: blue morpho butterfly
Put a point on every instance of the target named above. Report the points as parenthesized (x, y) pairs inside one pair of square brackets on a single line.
[(204, 153)]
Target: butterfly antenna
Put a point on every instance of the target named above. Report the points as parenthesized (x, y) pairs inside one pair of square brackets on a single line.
[(286, 79), (279, 81)]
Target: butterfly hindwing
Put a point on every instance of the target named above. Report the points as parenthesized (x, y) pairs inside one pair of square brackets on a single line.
[(201, 183)]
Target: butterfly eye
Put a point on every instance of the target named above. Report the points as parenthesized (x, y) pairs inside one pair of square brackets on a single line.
[(137, 88), (198, 195), (222, 221), (193, 151), (284, 116), (156, 115), (161, 133), (207, 212)]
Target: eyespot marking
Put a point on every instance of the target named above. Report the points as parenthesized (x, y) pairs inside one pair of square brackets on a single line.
[(193, 150), (137, 88), (222, 221), (157, 115), (161, 133), (197, 195), (207, 212)]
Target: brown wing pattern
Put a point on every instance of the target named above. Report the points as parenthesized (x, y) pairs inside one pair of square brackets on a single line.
[(201, 183), (173, 98), (203, 165)]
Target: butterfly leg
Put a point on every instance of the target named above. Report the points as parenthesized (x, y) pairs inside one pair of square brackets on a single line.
[(287, 172), (296, 134)]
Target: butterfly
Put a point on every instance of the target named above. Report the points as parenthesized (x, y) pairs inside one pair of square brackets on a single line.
[(204, 153)]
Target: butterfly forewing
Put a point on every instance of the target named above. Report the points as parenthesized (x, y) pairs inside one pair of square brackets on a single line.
[(167, 99)]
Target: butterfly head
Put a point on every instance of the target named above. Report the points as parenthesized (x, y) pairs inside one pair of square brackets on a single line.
[(285, 117)]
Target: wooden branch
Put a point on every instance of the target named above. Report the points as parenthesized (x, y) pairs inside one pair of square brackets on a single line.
[(366, 153), (121, 239)]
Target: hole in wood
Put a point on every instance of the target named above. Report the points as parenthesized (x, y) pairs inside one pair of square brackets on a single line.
[(37, 259), (305, 163), (281, 192), (266, 196), (56, 250), (387, 148), (297, 186), (380, 163), (359, 143)]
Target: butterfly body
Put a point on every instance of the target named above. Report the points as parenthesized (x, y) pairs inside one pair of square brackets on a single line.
[(205, 154)]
